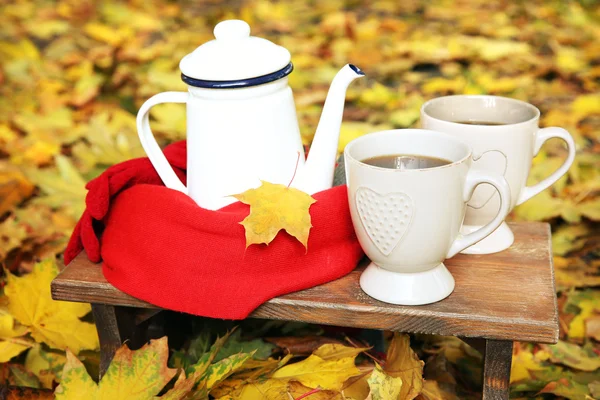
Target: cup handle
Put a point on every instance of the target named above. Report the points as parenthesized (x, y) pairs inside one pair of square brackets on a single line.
[(474, 179), (540, 138), (151, 147)]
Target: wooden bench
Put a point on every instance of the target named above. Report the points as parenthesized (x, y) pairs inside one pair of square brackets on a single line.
[(499, 298)]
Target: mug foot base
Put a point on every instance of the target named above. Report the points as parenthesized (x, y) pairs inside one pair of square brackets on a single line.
[(409, 289), (501, 239)]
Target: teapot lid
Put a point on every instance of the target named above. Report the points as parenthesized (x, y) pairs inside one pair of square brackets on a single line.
[(235, 59)]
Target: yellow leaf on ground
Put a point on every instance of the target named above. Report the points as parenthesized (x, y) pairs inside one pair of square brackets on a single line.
[(104, 33), (12, 235), (202, 369), (76, 383), (402, 362), (336, 351), (573, 356), (53, 322), (569, 59), (46, 365), (296, 389), (384, 386), (316, 372), (63, 187), (14, 187), (585, 105), (9, 328), (274, 207), (590, 209), (86, 88), (132, 375), (12, 347), (170, 120), (218, 372), (443, 85), (568, 238), (523, 362), (577, 325), (180, 390), (541, 207), (433, 391), (137, 375), (351, 130), (271, 389)]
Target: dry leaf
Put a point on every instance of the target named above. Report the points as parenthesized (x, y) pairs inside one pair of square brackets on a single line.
[(402, 362)]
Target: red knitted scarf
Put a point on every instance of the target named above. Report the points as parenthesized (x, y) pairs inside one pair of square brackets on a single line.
[(158, 245)]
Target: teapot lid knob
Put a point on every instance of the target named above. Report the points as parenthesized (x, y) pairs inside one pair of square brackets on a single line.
[(232, 29)]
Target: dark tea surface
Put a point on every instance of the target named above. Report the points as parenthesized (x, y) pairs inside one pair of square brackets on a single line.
[(487, 123), (405, 161)]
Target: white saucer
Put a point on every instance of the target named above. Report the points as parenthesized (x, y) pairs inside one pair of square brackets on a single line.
[(408, 289), (501, 239)]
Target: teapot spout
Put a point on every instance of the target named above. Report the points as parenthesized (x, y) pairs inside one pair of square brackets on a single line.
[(317, 174)]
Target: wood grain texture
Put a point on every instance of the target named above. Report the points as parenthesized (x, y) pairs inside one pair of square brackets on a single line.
[(496, 369), (506, 296)]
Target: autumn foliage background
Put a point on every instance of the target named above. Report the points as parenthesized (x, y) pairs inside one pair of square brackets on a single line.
[(73, 74)]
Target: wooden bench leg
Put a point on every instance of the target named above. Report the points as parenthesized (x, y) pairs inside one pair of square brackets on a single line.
[(496, 369), (115, 325)]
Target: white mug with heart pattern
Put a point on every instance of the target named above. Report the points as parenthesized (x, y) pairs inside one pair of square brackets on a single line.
[(408, 220), (504, 136)]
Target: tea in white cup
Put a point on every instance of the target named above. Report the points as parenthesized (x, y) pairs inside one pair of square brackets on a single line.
[(408, 191)]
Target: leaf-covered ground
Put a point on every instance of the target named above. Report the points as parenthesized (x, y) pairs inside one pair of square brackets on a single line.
[(74, 72)]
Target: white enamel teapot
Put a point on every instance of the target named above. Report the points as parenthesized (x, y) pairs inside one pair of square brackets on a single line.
[(241, 120)]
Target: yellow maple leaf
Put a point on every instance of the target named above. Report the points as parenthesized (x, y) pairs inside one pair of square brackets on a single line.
[(315, 372), (274, 207), (55, 323), (383, 386), (402, 362), (11, 345), (76, 382), (132, 375)]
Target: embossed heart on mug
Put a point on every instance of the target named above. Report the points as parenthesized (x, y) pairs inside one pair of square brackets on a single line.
[(386, 218), (492, 161)]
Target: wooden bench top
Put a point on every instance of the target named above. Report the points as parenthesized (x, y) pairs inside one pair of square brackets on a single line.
[(507, 296)]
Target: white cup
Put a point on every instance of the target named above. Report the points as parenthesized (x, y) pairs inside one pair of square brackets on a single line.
[(408, 221), (506, 149)]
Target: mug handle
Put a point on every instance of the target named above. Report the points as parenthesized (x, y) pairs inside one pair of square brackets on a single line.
[(474, 179), (151, 147), (540, 138)]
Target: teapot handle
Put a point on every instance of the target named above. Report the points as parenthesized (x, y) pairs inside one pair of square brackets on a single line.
[(151, 147)]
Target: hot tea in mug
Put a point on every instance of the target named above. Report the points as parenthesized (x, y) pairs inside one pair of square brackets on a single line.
[(406, 161)]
